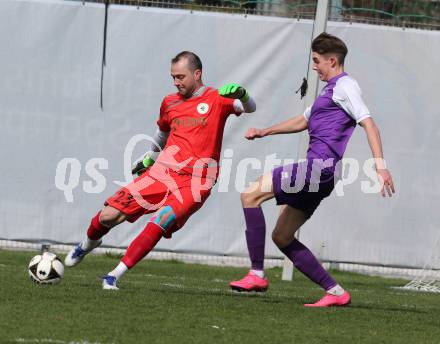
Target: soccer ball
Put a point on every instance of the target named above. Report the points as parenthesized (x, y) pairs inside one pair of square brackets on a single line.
[(46, 269)]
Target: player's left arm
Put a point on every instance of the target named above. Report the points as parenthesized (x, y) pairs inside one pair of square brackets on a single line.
[(373, 136), (348, 95), (243, 102)]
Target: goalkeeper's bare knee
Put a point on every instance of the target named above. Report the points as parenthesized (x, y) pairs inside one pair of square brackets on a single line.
[(111, 217)]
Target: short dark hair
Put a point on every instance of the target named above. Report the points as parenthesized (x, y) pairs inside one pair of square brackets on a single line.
[(194, 61), (326, 43)]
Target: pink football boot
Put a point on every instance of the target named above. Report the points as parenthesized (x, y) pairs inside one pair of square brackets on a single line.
[(250, 282), (331, 300)]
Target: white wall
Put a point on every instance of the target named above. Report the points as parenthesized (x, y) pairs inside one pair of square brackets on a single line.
[(50, 65)]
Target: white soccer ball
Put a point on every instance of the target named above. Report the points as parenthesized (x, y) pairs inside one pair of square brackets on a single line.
[(46, 269)]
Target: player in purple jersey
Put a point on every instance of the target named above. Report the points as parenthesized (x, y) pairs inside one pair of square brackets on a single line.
[(302, 186)]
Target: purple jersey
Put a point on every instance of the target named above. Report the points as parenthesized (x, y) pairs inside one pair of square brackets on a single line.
[(333, 117), (331, 121)]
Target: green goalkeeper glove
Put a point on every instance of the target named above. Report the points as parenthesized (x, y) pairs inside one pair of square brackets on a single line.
[(143, 165), (234, 91)]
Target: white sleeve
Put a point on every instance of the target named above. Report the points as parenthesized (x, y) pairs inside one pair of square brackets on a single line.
[(156, 145), (307, 113), (348, 95), (160, 139), (249, 106)]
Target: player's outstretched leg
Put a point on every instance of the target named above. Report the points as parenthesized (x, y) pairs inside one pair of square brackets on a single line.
[(141, 245), (288, 223), (99, 226), (306, 262), (255, 236), (137, 250)]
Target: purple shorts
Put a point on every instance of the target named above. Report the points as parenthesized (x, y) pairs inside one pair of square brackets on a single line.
[(295, 185)]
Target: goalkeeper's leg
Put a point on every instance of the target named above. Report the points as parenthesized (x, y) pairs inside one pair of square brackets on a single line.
[(158, 226), (100, 225)]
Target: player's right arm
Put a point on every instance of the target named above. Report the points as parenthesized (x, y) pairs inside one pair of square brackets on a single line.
[(293, 125)]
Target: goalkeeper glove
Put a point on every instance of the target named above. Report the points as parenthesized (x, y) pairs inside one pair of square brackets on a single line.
[(234, 91), (145, 163)]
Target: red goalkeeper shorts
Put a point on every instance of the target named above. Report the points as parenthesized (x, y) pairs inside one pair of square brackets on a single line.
[(184, 193)]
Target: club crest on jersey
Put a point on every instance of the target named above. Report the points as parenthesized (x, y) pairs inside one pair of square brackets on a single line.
[(202, 108)]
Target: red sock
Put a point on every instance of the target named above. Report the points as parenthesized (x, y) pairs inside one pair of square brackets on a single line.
[(96, 229), (142, 244)]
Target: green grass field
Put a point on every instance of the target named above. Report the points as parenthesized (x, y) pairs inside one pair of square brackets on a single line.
[(171, 302)]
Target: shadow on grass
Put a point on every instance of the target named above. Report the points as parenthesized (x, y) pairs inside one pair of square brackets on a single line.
[(194, 291)]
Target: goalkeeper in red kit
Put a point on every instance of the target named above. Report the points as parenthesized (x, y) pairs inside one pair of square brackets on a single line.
[(177, 174)]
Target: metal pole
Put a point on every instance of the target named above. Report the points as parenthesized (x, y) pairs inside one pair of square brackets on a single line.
[(335, 10), (319, 26)]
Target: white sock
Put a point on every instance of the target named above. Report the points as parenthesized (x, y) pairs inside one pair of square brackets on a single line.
[(337, 290), (259, 273), (88, 244), (119, 270)]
